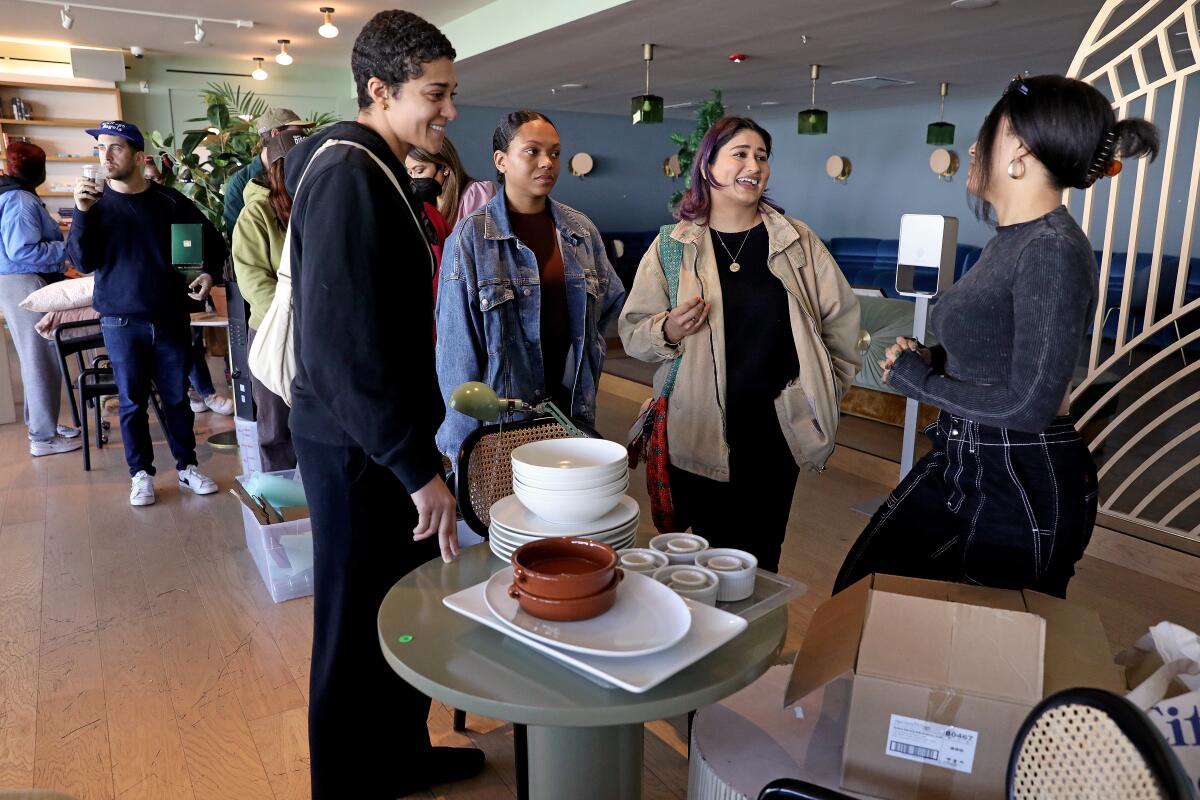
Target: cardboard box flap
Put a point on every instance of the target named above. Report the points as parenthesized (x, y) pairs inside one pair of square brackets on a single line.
[(1077, 649), (984, 651), (953, 592), (830, 647)]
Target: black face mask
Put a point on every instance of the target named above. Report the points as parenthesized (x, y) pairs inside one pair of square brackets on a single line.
[(427, 190)]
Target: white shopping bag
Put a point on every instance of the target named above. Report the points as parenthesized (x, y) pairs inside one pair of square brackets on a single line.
[(1165, 665)]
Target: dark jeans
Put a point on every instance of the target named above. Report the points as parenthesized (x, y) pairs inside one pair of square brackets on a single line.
[(143, 351), (271, 417), (367, 727), (987, 506), (750, 511), (198, 374)]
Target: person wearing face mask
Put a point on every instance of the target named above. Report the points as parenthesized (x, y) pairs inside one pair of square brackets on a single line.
[(442, 177), (437, 230), (766, 330), (526, 290), (365, 406), (1007, 495)]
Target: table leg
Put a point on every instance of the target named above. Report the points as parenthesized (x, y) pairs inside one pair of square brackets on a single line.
[(585, 763), (226, 440)]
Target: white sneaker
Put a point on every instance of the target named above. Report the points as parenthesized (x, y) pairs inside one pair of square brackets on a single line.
[(55, 444), (196, 401), (141, 493), (220, 404), (67, 432), (198, 482)]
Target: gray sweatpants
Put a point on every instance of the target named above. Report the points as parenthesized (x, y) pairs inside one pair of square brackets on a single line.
[(40, 371)]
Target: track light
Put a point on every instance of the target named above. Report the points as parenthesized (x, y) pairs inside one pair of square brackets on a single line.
[(259, 73), (199, 33), (283, 58), (68, 21), (328, 30)]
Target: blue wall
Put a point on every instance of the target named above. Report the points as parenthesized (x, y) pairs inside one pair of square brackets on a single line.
[(627, 190)]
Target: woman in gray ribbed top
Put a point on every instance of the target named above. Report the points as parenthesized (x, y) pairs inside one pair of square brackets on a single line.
[(1007, 495)]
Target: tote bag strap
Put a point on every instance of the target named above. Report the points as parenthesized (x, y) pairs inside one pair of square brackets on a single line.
[(670, 255)]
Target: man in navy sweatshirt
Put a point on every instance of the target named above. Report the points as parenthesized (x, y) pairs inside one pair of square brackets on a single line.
[(122, 232)]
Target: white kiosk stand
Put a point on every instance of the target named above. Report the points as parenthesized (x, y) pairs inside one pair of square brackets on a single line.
[(927, 241)]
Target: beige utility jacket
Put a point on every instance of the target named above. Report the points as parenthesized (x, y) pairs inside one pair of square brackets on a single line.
[(825, 327)]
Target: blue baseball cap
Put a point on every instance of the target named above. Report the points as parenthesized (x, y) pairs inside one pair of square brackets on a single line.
[(116, 127)]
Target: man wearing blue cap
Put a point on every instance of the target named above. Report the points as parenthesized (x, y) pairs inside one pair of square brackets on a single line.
[(122, 231)]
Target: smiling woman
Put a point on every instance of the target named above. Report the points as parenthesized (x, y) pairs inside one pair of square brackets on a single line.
[(363, 416)]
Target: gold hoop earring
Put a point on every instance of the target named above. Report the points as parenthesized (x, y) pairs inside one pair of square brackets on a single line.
[(1013, 171)]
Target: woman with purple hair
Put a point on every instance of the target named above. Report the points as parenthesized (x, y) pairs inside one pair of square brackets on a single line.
[(766, 330)]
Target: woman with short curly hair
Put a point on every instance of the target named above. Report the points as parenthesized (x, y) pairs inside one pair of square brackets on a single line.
[(365, 406)]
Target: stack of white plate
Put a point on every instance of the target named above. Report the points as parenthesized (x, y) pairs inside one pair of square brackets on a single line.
[(570, 481), (514, 525)]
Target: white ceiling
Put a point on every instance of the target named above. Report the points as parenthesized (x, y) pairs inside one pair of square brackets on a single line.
[(273, 20), (925, 41)]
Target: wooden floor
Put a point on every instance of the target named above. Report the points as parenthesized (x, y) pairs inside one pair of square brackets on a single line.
[(141, 657)]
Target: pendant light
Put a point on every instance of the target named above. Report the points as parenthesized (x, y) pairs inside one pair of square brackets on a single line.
[(646, 108), (328, 30), (941, 133), (283, 58), (259, 73), (813, 121)]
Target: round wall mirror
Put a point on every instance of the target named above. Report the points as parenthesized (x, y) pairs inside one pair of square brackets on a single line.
[(580, 164), (838, 168), (671, 167), (943, 162)]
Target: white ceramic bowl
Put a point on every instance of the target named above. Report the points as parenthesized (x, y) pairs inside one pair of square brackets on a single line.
[(580, 458), (737, 580), (615, 487), (705, 593), (679, 553), (643, 559), (566, 481), (571, 509)]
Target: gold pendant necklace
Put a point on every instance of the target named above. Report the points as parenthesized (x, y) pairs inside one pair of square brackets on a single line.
[(734, 266)]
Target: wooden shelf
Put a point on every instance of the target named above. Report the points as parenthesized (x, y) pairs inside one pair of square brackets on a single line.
[(62, 160), (56, 194), (54, 123), (58, 87)]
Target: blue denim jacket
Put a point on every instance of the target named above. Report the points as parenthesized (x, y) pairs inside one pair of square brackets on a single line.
[(489, 312), (30, 240)]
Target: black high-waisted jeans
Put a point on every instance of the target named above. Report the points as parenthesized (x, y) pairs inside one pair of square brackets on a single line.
[(987, 506)]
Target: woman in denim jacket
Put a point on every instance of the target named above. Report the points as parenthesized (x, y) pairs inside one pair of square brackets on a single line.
[(526, 289)]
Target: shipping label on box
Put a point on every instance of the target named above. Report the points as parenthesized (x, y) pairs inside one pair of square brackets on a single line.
[(930, 743)]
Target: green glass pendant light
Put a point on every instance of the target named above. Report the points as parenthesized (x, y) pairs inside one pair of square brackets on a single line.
[(941, 133), (646, 108), (813, 121)]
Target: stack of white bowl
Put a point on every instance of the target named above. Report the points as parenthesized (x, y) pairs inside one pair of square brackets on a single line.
[(566, 487)]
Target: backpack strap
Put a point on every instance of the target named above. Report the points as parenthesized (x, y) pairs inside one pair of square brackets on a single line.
[(670, 256)]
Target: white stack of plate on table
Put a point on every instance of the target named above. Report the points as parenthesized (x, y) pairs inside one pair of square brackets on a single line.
[(566, 487)]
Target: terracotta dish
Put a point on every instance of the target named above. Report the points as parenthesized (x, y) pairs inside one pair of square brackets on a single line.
[(573, 610), (564, 568)]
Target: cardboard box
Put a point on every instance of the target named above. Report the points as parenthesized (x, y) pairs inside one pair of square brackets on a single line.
[(943, 676)]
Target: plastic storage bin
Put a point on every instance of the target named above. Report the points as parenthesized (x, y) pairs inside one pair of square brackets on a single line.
[(283, 552), (247, 439)]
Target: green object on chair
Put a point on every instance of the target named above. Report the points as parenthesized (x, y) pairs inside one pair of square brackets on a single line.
[(480, 401)]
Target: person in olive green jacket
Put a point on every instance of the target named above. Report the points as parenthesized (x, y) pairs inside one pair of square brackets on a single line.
[(257, 248)]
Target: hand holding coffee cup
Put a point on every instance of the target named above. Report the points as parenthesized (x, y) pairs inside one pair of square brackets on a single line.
[(87, 189)]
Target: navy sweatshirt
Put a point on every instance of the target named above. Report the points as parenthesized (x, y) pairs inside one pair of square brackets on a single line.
[(126, 240)]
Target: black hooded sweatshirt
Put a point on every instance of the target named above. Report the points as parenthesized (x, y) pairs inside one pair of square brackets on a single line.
[(363, 306)]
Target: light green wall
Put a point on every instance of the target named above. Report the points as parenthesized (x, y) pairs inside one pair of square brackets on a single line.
[(174, 97)]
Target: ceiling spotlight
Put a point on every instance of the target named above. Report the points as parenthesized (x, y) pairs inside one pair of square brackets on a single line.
[(199, 33), (737, 58), (328, 30), (283, 58), (259, 73), (67, 20), (971, 5)]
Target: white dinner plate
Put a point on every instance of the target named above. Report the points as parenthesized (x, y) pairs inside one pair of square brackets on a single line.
[(711, 628), (607, 537), (647, 617), (512, 515), (504, 551)]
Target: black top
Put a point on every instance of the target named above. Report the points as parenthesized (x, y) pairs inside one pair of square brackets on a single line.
[(1012, 329), (363, 312), (126, 240), (760, 354)]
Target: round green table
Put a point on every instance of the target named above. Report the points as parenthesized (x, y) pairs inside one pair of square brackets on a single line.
[(584, 741)]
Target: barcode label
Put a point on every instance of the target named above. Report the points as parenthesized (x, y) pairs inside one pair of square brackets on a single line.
[(931, 743), (913, 750)]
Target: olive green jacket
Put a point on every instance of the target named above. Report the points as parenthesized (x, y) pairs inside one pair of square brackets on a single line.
[(257, 248)]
